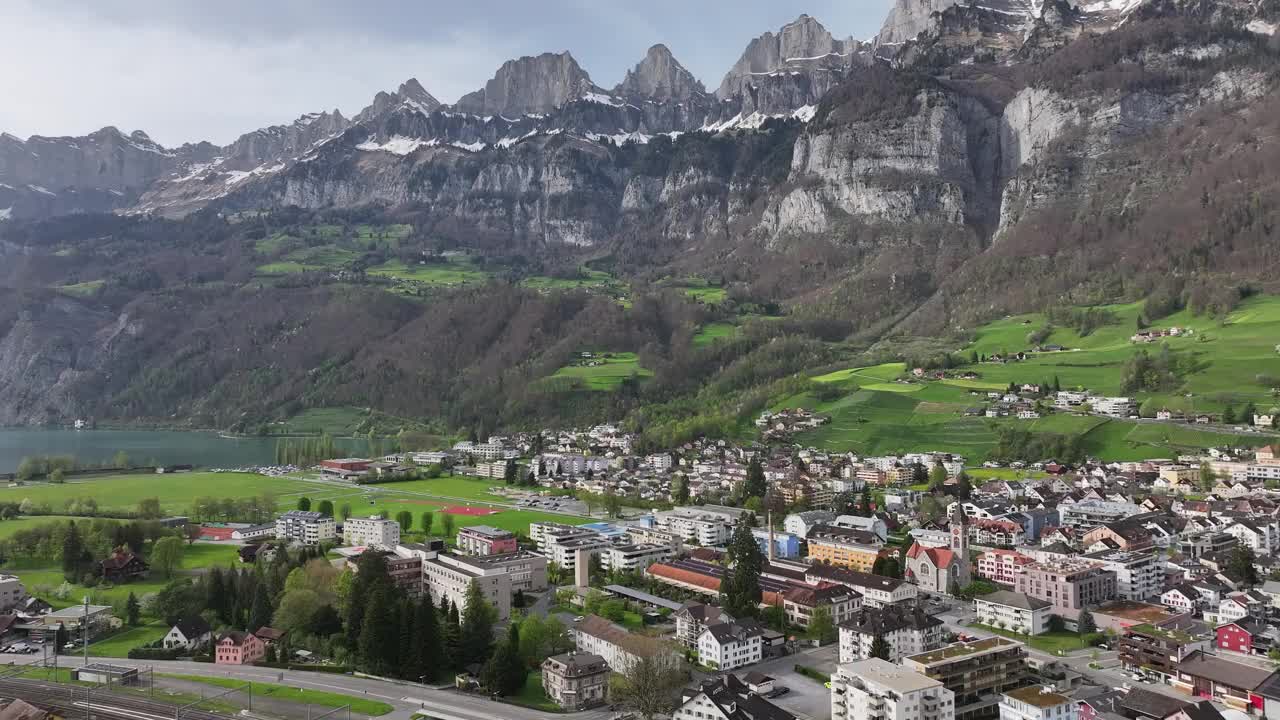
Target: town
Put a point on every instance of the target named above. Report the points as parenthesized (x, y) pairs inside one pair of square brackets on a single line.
[(721, 579)]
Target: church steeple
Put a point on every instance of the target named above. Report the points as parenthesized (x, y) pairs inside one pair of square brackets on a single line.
[(959, 523)]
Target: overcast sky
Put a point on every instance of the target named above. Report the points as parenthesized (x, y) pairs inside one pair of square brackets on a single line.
[(185, 70)]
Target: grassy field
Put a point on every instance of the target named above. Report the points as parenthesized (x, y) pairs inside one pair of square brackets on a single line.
[(586, 279), (119, 645), (176, 492), (460, 271), (878, 413), (321, 257), (359, 705), (532, 695), (337, 421), (698, 289), (1050, 642), (25, 522), (609, 374), (711, 332)]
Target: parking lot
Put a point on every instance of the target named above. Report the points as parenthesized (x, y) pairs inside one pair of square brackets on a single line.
[(807, 697)]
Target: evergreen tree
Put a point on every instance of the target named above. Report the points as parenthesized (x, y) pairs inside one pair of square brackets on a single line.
[(1229, 414), (428, 517), (378, 644), (755, 485), (73, 553), (304, 503), (504, 673), (407, 663), (133, 610), (216, 596), (1241, 564), (964, 486), (451, 636), (864, 506), (428, 639), (919, 474), (475, 638), (1057, 386), (680, 491), (1085, 624), (891, 568), (741, 585), (370, 576), (405, 519), (344, 512), (325, 508), (880, 648)]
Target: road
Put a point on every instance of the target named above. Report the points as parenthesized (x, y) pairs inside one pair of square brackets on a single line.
[(405, 698)]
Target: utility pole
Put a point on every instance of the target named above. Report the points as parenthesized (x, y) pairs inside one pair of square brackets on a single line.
[(84, 626)]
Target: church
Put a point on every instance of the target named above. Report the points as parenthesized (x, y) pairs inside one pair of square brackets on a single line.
[(942, 569)]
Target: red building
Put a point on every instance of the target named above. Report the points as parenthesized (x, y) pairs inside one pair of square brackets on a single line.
[(347, 464), (238, 648), (1244, 636)]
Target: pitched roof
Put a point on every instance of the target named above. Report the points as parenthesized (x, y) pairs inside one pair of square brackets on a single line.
[(1226, 672), (637, 645), (939, 557), (880, 621), (193, 628)]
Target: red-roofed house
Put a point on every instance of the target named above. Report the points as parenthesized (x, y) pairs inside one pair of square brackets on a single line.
[(216, 533), (1002, 566), (238, 648)]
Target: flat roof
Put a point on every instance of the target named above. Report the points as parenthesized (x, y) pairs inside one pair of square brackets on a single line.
[(962, 649), (76, 611), (642, 596), (1134, 610), (1038, 696), (888, 675), (107, 668), (488, 530)]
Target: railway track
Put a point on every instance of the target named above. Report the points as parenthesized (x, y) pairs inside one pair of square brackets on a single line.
[(75, 702)]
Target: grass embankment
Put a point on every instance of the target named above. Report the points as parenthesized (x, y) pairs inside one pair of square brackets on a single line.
[(304, 696)]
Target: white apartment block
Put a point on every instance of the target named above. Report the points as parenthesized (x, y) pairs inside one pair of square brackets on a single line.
[(876, 689), (1013, 611), (1037, 702), (705, 526), (727, 646), (660, 461), (1259, 534), (627, 558), (448, 577), (654, 536), (373, 530), (12, 591), (1114, 406), (305, 526), (1139, 575)]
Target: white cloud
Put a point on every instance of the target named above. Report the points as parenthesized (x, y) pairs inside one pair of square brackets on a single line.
[(69, 74)]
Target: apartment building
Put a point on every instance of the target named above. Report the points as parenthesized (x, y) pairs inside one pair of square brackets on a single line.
[(1155, 649), (305, 526), (731, 645), (634, 557), (1114, 406), (1002, 566), (1013, 611), (1036, 702), (693, 617), (1139, 575), (448, 576), (876, 689), (702, 525), (799, 603), (844, 547), (405, 571), (576, 681), (486, 540), (1088, 514), (976, 672), (876, 590), (373, 530), (654, 536), (619, 647), (12, 592), (1068, 585), (907, 630)]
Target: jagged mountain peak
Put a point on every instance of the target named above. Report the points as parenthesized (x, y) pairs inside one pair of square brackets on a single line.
[(409, 93), (533, 84), (659, 76), (803, 42)]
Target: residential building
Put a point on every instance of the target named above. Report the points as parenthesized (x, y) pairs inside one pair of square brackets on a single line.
[(619, 647), (703, 525), (448, 576), (1036, 702), (693, 617), (122, 566), (73, 618), (12, 592), (976, 672), (730, 645), (870, 524), (1088, 514), (1139, 575), (654, 536), (998, 532), (907, 630), (238, 648), (1248, 636), (1182, 599), (1233, 684), (875, 689), (1114, 406), (1261, 535), (1069, 585), (486, 540), (1002, 566), (189, 633), (727, 698), (799, 603), (576, 681), (629, 558), (373, 530), (845, 547), (1206, 543), (1128, 534), (1013, 611), (305, 526), (800, 523), (876, 590)]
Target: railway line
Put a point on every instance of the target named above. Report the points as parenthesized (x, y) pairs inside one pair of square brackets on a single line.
[(74, 702)]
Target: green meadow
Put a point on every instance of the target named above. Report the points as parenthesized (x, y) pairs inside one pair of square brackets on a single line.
[(608, 372)]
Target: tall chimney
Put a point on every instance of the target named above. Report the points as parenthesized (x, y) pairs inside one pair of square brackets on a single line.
[(769, 517)]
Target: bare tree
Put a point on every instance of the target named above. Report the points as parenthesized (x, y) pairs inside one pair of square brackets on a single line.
[(649, 686)]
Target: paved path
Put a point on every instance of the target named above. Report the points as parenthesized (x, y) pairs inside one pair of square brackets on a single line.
[(406, 698)]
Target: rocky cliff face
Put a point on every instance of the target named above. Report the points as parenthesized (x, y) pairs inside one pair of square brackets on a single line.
[(100, 171), (409, 93), (661, 78), (530, 85)]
